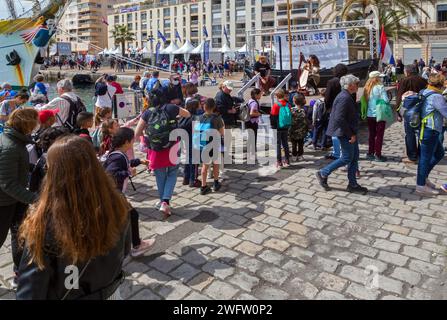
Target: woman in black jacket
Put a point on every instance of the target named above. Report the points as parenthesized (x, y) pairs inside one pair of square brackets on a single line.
[(14, 170), (76, 237)]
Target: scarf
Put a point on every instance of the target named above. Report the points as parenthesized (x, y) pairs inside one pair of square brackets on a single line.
[(435, 89)]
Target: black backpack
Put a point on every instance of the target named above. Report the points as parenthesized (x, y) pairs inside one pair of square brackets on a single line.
[(76, 107), (159, 127)]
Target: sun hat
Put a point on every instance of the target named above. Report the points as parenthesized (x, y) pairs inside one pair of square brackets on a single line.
[(376, 74), (229, 85)]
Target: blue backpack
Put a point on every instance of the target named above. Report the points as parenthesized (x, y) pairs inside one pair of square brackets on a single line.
[(199, 137), (285, 117), (412, 107)]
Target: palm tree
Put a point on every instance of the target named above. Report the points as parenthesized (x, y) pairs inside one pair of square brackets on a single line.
[(413, 7), (121, 34), (391, 21)]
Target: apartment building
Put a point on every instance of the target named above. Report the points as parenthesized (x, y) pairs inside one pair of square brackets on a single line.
[(433, 30), (188, 17), (83, 20)]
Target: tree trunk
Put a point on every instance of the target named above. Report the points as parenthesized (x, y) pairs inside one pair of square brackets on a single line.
[(123, 48)]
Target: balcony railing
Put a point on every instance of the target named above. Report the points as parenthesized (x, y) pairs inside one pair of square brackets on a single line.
[(429, 26)]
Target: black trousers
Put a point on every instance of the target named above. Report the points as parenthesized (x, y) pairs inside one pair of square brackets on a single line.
[(11, 218), (254, 127), (282, 141), (135, 228), (297, 147)]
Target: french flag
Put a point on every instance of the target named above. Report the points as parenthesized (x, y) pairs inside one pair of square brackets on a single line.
[(386, 55)]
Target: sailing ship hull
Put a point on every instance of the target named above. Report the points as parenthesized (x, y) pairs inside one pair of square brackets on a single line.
[(23, 44)]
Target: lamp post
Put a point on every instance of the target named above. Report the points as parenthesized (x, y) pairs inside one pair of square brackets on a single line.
[(289, 22)]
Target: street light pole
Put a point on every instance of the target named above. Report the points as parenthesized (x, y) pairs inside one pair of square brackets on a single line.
[(289, 22)]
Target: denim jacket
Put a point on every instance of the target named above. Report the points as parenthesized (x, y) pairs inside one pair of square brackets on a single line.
[(437, 105)]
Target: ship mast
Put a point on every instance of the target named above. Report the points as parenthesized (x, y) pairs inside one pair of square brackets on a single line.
[(11, 8)]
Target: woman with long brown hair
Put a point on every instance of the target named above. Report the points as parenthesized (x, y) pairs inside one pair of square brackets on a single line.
[(79, 224), (14, 169)]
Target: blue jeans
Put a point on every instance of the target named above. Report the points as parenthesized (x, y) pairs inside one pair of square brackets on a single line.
[(349, 157), (411, 142), (441, 137), (432, 152), (166, 179), (336, 153)]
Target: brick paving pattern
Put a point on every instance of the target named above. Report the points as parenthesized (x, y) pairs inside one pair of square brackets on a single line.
[(282, 237)]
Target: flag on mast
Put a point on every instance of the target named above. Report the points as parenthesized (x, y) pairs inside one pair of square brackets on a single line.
[(104, 20), (205, 32), (161, 36), (177, 36), (386, 54), (226, 33)]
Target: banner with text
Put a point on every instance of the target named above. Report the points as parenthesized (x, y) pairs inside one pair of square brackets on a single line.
[(331, 48)]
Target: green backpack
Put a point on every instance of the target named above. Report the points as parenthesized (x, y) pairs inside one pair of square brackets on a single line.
[(285, 117)]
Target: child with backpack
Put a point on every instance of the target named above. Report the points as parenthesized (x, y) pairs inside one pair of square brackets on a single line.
[(299, 128), (44, 142), (118, 165), (281, 121), (191, 168), (208, 122), (84, 121), (255, 112)]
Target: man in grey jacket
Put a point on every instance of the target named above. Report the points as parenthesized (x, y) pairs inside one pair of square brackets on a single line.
[(344, 124)]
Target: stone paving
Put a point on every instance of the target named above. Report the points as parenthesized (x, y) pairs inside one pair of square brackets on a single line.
[(281, 236)]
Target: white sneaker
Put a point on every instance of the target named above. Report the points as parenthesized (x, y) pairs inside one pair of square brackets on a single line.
[(426, 190), (165, 209), (144, 246), (300, 158)]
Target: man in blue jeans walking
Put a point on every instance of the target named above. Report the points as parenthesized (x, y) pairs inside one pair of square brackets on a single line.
[(343, 124)]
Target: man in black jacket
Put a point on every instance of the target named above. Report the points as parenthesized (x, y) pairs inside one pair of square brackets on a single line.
[(344, 124), (225, 104), (333, 88)]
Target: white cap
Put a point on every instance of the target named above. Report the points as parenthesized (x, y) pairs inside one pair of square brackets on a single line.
[(375, 74), (229, 85)]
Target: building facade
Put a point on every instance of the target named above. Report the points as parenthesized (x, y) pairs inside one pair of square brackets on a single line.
[(83, 23), (433, 30), (188, 17)]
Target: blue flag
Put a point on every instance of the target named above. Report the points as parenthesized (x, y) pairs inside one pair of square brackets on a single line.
[(205, 32), (226, 33), (161, 36), (177, 36), (206, 51)]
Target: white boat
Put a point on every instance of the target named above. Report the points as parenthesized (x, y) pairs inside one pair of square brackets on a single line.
[(24, 38)]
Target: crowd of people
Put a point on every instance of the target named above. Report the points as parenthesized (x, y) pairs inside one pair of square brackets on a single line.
[(64, 171)]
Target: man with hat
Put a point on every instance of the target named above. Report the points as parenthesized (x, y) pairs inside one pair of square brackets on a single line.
[(7, 93)]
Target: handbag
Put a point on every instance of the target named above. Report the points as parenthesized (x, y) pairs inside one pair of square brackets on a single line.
[(384, 112)]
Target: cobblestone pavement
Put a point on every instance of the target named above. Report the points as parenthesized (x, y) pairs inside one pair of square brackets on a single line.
[(282, 237)]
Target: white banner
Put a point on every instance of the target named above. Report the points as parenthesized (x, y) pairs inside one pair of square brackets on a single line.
[(125, 105), (331, 48)]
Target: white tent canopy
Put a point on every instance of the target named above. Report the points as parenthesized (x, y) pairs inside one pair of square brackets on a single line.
[(199, 48), (243, 49), (170, 49), (116, 51), (186, 50), (225, 49), (145, 50)]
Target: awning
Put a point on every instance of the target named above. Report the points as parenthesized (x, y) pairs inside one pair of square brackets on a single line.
[(199, 48), (186, 48), (225, 49), (170, 49), (243, 49)]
